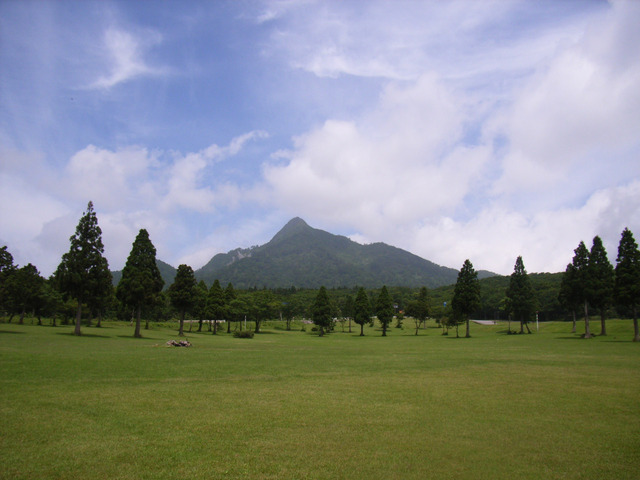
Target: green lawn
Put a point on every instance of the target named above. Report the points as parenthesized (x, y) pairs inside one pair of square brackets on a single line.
[(292, 405)]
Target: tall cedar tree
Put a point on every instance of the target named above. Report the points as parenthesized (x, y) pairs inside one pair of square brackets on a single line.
[(216, 304), (466, 294), (384, 309), (581, 267), (7, 269), (83, 271), (321, 311), (182, 292), (362, 310), (602, 281), (569, 295), (229, 296), (419, 308), (348, 308), (520, 295), (627, 283), (141, 281), (200, 305)]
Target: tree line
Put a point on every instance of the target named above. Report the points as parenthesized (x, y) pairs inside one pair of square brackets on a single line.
[(83, 281)]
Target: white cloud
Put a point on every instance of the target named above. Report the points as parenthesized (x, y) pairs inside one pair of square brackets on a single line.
[(124, 54)]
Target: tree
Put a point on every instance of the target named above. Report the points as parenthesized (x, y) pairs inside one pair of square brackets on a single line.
[(362, 310), (466, 294), (7, 269), (384, 309), (229, 297), (601, 281), (182, 292), (627, 280), (83, 269), (321, 311), (569, 296), (520, 295), (581, 268), (141, 281), (216, 304), (200, 310), (419, 308), (348, 309)]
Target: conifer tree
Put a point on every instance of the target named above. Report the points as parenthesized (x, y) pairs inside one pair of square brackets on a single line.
[(384, 309), (321, 310), (229, 297), (569, 296), (362, 310), (466, 293), (520, 295), (601, 281), (83, 271), (627, 280), (182, 292), (216, 304), (419, 308), (141, 281), (581, 269)]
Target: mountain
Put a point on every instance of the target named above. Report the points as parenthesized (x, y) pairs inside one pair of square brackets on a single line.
[(302, 256), (167, 272)]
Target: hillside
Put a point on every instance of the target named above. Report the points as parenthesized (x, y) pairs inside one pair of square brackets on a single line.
[(302, 256)]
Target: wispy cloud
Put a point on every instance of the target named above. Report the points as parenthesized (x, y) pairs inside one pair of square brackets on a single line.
[(124, 55)]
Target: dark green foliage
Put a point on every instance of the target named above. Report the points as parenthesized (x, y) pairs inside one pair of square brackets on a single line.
[(569, 294), (384, 309), (167, 272), (419, 308), (83, 271), (199, 308), (216, 304), (321, 311), (627, 278), (601, 281), (243, 334), (521, 300), (348, 309), (182, 292), (466, 293), (307, 258), (581, 270), (362, 310), (23, 287), (141, 281)]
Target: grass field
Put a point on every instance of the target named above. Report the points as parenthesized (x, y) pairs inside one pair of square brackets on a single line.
[(292, 405)]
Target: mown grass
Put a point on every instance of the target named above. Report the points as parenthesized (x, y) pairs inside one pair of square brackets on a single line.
[(292, 405)]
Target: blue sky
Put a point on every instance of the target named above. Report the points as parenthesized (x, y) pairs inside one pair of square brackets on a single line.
[(454, 130)]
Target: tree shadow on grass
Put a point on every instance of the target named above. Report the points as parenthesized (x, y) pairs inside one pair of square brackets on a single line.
[(91, 335), (10, 331)]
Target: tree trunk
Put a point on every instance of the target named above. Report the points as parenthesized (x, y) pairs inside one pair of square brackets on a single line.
[(636, 334), (146, 323), (215, 327), (362, 329), (468, 334), (384, 330), (603, 323), (200, 325), (21, 321), (349, 324), (136, 333), (78, 318), (521, 326), (573, 314), (321, 331), (181, 330), (229, 327), (587, 333)]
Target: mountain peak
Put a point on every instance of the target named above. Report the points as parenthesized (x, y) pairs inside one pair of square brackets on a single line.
[(294, 226)]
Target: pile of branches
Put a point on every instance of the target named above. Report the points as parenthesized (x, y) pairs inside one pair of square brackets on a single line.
[(181, 343)]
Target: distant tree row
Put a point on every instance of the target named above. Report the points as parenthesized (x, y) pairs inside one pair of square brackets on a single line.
[(83, 280)]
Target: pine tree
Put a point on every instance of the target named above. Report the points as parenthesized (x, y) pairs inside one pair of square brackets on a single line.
[(362, 310), (569, 296), (520, 295), (182, 292), (466, 294), (627, 281), (384, 309), (216, 304), (321, 310), (601, 281), (581, 269), (141, 281), (83, 270), (229, 297)]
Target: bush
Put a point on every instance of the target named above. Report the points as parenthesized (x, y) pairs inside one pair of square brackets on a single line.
[(243, 334)]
